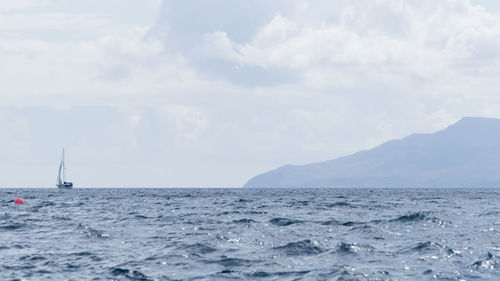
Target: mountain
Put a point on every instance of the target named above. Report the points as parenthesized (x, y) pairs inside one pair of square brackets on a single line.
[(466, 154)]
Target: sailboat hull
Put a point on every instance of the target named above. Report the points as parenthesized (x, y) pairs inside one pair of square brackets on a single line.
[(66, 185)]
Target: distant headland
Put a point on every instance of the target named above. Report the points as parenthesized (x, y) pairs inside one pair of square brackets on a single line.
[(464, 155)]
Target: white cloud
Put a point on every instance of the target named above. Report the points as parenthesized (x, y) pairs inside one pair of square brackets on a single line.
[(452, 36)]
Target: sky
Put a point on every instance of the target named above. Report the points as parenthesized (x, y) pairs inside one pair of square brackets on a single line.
[(196, 93)]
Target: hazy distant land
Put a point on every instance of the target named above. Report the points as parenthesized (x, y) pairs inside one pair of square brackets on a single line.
[(466, 154)]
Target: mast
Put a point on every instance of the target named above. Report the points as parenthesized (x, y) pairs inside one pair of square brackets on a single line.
[(64, 167)]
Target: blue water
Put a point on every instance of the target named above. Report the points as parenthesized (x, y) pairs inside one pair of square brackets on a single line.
[(321, 234)]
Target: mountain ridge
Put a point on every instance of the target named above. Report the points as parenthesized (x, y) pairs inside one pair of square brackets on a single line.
[(465, 154)]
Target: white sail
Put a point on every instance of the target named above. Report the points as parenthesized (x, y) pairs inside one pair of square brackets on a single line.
[(59, 180)]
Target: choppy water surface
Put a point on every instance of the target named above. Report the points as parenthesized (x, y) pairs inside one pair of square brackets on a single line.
[(337, 234)]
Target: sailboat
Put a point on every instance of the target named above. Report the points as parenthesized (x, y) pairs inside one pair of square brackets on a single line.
[(61, 176)]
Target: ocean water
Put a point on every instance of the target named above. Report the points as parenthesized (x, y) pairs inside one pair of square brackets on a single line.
[(228, 234)]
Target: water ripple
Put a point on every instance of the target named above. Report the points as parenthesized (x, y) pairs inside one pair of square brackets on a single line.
[(268, 234)]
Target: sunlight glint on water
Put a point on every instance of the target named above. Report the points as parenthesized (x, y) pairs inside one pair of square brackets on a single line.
[(148, 234)]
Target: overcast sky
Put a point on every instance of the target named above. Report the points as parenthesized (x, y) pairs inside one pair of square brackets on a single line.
[(151, 93)]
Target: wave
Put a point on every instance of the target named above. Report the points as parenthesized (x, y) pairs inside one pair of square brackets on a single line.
[(21, 246), (199, 248), (130, 274), (353, 248), (256, 213), (300, 248), (346, 272), (18, 267), (47, 204), (331, 222), (421, 247), (282, 274), (143, 217), (225, 213), (348, 223), (91, 232), (231, 262), (5, 216), (12, 226), (241, 221), (82, 254), (490, 213), (338, 204), (417, 216), (489, 263), (284, 221), (353, 223), (299, 204), (63, 218)]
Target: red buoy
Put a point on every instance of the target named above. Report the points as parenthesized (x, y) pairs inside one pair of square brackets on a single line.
[(19, 201)]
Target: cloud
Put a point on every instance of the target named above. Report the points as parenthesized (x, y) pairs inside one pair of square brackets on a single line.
[(238, 18), (421, 39), (217, 91)]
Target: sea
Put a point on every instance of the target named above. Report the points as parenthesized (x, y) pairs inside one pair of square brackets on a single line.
[(250, 234)]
